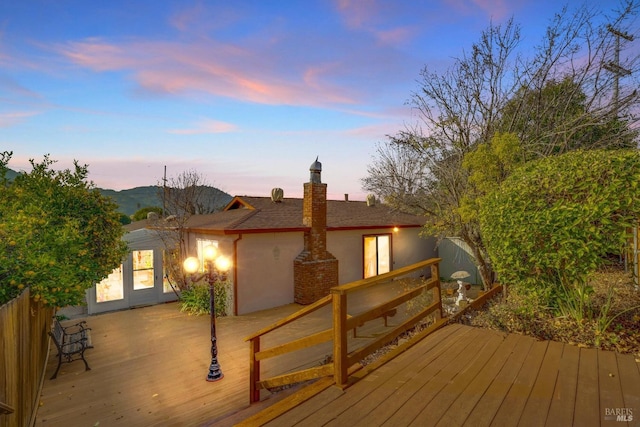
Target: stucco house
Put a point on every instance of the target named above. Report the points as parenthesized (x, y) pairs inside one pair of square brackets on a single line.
[(283, 250), (288, 250)]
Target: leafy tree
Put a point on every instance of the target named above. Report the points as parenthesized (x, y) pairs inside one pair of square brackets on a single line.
[(142, 213), (58, 235), (124, 219), (558, 120), (552, 222), (561, 98)]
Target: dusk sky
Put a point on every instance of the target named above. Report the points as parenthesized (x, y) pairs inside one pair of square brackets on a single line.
[(247, 93)]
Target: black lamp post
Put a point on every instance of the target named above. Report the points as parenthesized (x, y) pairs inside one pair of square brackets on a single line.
[(216, 268)]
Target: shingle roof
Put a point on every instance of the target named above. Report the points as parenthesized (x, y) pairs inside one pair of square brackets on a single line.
[(261, 214)]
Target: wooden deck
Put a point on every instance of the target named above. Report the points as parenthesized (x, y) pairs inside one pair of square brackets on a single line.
[(464, 376), (148, 368)]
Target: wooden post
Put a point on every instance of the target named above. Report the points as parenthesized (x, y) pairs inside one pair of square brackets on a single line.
[(254, 370), (340, 337), (437, 290)]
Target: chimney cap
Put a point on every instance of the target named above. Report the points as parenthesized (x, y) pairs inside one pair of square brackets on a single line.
[(315, 169), (316, 166)]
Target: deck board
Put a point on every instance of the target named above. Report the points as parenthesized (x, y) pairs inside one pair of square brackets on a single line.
[(492, 399), (587, 406), (562, 402), (467, 376), (628, 371), (513, 404), (440, 404), (428, 386), (610, 389), (541, 395), (459, 410), (403, 371)]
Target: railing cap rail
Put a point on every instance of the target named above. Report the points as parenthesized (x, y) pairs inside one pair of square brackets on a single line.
[(5, 409), (363, 283)]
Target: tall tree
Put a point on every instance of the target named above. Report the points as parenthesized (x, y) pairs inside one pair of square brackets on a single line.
[(58, 234), (561, 98)]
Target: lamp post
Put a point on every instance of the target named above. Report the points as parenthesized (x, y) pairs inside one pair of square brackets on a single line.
[(216, 268)]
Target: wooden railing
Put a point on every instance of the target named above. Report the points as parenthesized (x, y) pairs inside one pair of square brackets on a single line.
[(344, 361), (23, 356), (5, 409)]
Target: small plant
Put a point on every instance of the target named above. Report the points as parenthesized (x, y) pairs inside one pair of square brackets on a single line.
[(575, 302), (195, 299)]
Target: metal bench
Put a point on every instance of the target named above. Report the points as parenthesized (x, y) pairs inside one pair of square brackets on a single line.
[(71, 342)]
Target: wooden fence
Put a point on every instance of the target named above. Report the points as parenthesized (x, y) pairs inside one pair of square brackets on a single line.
[(24, 347), (345, 361)]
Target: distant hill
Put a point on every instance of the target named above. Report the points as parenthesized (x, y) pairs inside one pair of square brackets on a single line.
[(11, 174), (132, 200)]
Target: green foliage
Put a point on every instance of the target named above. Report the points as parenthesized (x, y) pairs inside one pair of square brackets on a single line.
[(553, 221), (124, 219), (488, 165), (556, 120), (522, 311), (576, 301), (142, 213), (58, 235), (195, 299)]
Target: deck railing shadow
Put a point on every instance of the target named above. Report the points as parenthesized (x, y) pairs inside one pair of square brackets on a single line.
[(348, 351)]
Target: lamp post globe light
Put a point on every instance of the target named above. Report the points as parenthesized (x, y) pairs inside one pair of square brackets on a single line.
[(215, 269)]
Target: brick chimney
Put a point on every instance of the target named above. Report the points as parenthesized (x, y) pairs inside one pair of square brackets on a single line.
[(315, 270)]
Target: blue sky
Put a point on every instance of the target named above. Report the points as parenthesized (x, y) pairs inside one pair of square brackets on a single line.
[(247, 93)]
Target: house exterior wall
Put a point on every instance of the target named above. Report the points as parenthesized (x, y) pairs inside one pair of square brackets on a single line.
[(406, 245), (265, 270), (264, 262)]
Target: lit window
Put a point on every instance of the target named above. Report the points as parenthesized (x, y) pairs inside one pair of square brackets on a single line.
[(111, 288), (143, 270), (377, 255)]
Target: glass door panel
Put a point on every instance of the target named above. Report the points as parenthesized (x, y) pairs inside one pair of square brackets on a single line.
[(370, 256), (111, 288), (143, 277), (377, 255), (384, 254)]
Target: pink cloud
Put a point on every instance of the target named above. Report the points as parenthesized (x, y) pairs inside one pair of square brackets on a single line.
[(207, 66), (395, 36), (11, 119), (357, 13), (97, 55), (374, 18), (206, 126)]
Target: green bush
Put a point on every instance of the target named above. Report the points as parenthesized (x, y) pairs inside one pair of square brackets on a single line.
[(553, 221), (195, 299)]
